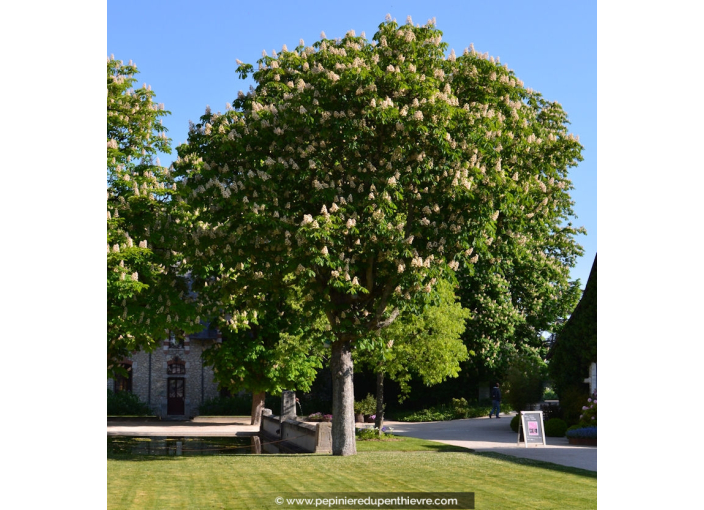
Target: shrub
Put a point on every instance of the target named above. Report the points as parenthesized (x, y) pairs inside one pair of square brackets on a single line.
[(366, 406), (505, 407), (478, 411), (514, 423), (571, 402), (441, 413), (460, 408), (588, 416), (371, 434), (581, 432), (525, 381), (125, 403), (555, 427), (549, 394)]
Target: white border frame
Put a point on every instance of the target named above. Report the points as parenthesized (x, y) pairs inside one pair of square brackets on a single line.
[(522, 426)]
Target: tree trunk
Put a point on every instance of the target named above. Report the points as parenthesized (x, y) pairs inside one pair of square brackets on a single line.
[(257, 407), (343, 438), (379, 421)]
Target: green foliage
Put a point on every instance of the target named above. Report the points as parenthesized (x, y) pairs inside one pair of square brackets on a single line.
[(125, 403), (145, 290), (438, 413), (549, 394), (369, 434), (366, 406), (312, 185), (272, 351), (364, 173), (588, 416), (458, 409), (524, 381), (572, 400), (427, 344), (555, 427), (575, 348), (515, 421), (226, 406)]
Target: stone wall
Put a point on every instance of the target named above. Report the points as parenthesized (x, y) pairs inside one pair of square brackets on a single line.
[(298, 435), (150, 376)]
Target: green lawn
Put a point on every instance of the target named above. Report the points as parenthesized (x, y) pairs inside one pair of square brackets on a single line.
[(253, 481)]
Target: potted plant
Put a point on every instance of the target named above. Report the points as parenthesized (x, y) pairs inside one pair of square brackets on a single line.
[(365, 408), (358, 414), (315, 417)]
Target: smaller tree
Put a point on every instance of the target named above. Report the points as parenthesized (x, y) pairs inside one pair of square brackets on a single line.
[(428, 344), (524, 381), (268, 349)]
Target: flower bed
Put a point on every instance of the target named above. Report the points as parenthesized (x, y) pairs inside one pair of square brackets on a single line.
[(315, 417), (582, 441), (372, 434), (582, 436)]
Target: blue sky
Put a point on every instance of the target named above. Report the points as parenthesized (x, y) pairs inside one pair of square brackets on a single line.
[(186, 51)]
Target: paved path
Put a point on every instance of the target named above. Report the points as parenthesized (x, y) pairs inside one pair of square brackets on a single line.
[(480, 434), (492, 435), (199, 427)]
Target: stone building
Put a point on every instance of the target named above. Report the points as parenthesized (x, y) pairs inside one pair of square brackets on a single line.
[(172, 380)]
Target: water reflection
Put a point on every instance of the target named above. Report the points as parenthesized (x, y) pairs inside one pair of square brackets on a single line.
[(185, 446)]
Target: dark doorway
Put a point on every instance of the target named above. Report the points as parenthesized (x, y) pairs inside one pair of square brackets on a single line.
[(124, 383), (176, 402)]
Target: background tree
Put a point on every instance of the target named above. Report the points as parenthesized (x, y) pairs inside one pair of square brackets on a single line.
[(524, 381), (574, 351), (515, 299), (428, 345), (272, 351), (146, 298), (368, 171)]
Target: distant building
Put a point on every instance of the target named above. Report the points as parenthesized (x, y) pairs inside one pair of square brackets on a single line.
[(173, 380)]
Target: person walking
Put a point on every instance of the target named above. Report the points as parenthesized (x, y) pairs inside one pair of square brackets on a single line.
[(495, 400)]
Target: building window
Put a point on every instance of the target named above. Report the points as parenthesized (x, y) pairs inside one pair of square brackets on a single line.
[(176, 339), (176, 367)]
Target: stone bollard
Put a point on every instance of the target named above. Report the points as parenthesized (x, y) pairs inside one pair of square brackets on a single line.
[(323, 437), (288, 405)]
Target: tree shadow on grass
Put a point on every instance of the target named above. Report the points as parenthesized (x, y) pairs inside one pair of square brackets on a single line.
[(142, 458), (408, 444), (444, 448), (538, 464)]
